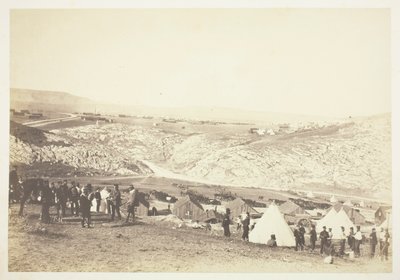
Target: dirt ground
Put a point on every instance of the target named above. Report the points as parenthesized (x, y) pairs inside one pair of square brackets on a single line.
[(154, 246)]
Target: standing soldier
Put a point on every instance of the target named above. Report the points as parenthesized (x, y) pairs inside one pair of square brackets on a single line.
[(131, 203), (65, 190), (60, 201), (373, 241), (74, 197), (302, 231), (324, 235), (45, 194), (357, 242), (53, 193), (330, 236), (343, 238), (13, 185), (117, 202), (97, 196), (313, 237), (351, 238), (226, 222), (85, 207), (385, 249), (297, 237), (246, 227)]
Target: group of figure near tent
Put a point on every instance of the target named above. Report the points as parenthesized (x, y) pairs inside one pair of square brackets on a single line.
[(81, 201), (278, 233)]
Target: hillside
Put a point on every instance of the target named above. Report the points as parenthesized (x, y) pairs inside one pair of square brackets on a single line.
[(348, 157), (46, 100)]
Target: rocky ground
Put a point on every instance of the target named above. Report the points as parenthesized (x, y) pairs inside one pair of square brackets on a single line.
[(351, 156), (158, 246)]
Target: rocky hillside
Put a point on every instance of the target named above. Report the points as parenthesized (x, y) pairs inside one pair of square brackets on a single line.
[(354, 155)]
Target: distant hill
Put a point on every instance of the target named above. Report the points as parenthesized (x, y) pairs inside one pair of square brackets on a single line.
[(38, 100), (47, 100)]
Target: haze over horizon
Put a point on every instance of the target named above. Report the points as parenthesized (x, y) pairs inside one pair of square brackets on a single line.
[(331, 63)]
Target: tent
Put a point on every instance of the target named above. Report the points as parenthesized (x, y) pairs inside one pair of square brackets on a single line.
[(335, 220), (333, 199), (272, 222)]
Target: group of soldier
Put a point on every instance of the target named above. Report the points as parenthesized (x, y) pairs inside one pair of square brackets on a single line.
[(354, 239), (61, 194)]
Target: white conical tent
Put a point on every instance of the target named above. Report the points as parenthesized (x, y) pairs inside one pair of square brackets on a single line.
[(326, 219), (272, 222), (335, 220)]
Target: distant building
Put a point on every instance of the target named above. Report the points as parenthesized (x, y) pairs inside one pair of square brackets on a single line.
[(239, 206), (122, 116), (292, 209), (25, 111), (35, 116), (188, 208), (382, 213)]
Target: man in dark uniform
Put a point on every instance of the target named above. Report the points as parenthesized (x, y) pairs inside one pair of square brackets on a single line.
[(350, 238), (313, 237), (324, 235), (97, 196), (373, 242), (13, 190), (116, 200), (297, 236), (46, 200), (74, 197), (246, 227), (65, 190), (85, 205), (302, 231), (60, 200), (226, 222)]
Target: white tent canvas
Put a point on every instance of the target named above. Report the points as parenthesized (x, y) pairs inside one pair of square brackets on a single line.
[(103, 205), (272, 222), (333, 199), (335, 220)]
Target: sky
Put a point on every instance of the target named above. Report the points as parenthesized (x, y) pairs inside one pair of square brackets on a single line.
[(327, 62)]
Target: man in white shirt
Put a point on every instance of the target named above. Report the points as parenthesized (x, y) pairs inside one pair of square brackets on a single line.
[(357, 241), (343, 239)]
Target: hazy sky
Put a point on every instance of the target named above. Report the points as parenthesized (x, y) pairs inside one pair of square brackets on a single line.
[(331, 62)]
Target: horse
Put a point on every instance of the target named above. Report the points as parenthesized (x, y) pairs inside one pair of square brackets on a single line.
[(30, 186)]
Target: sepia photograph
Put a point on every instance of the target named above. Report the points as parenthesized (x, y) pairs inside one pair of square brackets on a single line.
[(249, 140)]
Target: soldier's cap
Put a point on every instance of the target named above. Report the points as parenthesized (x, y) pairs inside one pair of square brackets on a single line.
[(324, 227)]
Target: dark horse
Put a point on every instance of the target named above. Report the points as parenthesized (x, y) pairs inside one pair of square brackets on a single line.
[(30, 186)]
